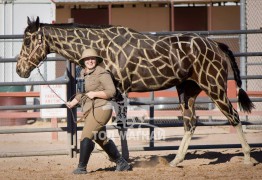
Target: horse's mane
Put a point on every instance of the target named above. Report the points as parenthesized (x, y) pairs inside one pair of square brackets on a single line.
[(75, 25), (33, 26)]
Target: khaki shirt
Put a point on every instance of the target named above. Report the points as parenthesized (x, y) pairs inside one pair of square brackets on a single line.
[(97, 80)]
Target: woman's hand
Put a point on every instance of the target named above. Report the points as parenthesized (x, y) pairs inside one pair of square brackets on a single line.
[(68, 104), (71, 104), (91, 94)]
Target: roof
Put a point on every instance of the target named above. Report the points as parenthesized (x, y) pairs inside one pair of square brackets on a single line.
[(106, 1), (137, 1)]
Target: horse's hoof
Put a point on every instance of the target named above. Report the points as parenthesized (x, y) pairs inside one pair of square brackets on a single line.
[(249, 163), (173, 163)]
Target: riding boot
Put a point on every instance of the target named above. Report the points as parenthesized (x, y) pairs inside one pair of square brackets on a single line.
[(113, 153), (86, 148)]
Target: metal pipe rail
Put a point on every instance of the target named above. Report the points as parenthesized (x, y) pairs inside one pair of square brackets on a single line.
[(2, 60), (15, 36), (155, 148), (247, 54), (158, 102), (236, 54), (62, 81), (29, 107), (129, 126), (146, 102), (220, 32), (212, 146)]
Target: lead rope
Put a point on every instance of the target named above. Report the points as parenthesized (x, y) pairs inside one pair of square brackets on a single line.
[(38, 69)]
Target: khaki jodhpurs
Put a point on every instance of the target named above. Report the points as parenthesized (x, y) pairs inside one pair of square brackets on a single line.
[(94, 125)]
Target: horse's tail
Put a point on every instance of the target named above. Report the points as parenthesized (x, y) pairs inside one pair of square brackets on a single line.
[(245, 103)]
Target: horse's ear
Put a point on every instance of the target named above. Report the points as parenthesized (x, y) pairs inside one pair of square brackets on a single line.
[(37, 22), (28, 20)]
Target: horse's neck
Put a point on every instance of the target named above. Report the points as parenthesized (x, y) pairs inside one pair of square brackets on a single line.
[(68, 43), (71, 42)]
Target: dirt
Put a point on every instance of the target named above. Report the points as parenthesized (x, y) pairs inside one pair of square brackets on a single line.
[(198, 164)]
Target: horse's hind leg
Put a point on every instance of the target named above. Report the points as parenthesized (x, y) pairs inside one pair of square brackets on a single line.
[(222, 102), (187, 92), (245, 145)]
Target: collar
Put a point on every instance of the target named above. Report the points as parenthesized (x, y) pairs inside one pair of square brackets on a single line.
[(89, 73)]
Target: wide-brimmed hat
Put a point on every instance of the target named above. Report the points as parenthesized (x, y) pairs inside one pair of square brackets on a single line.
[(89, 53)]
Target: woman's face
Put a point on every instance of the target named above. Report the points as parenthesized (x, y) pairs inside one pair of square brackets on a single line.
[(90, 62)]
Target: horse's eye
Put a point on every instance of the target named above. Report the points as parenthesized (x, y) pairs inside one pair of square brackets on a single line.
[(27, 42)]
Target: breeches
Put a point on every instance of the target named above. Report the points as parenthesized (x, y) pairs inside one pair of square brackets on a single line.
[(94, 125)]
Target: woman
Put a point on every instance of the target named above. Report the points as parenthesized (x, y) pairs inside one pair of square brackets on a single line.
[(99, 88)]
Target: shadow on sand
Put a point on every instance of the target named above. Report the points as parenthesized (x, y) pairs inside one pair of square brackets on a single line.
[(215, 157), (149, 161)]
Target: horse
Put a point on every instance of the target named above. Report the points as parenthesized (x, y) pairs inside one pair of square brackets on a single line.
[(143, 63)]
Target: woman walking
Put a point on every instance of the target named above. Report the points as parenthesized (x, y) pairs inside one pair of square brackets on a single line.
[(99, 89)]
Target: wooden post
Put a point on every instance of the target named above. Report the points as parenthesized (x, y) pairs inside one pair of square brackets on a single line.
[(209, 17), (172, 16), (121, 117), (54, 125), (232, 93), (110, 14)]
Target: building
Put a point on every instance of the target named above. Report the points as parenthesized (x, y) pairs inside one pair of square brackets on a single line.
[(141, 15)]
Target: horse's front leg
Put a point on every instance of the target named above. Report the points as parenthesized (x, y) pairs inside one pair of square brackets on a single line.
[(189, 119)]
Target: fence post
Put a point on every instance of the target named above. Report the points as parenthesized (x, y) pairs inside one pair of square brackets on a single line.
[(54, 125), (121, 117), (232, 93), (151, 121), (71, 114)]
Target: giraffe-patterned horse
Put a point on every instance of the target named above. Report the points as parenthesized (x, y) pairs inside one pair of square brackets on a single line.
[(142, 63)]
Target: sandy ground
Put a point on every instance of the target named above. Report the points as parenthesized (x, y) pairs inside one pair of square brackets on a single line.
[(198, 164)]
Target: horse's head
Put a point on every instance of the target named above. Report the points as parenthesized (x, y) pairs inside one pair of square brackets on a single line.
[(33, 51)]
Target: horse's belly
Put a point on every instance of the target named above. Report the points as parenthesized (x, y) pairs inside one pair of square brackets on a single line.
[(145, 85)]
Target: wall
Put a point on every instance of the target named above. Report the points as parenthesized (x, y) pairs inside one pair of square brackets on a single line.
[(63, 14), (138, 18), (225, 18), (90, 16), (142, 19), (190, 18), (13, 20), (154, 17)]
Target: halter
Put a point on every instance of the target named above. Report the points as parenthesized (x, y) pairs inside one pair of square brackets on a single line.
[(39, 37)]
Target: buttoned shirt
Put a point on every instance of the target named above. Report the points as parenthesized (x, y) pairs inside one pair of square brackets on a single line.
[(97, 80)]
